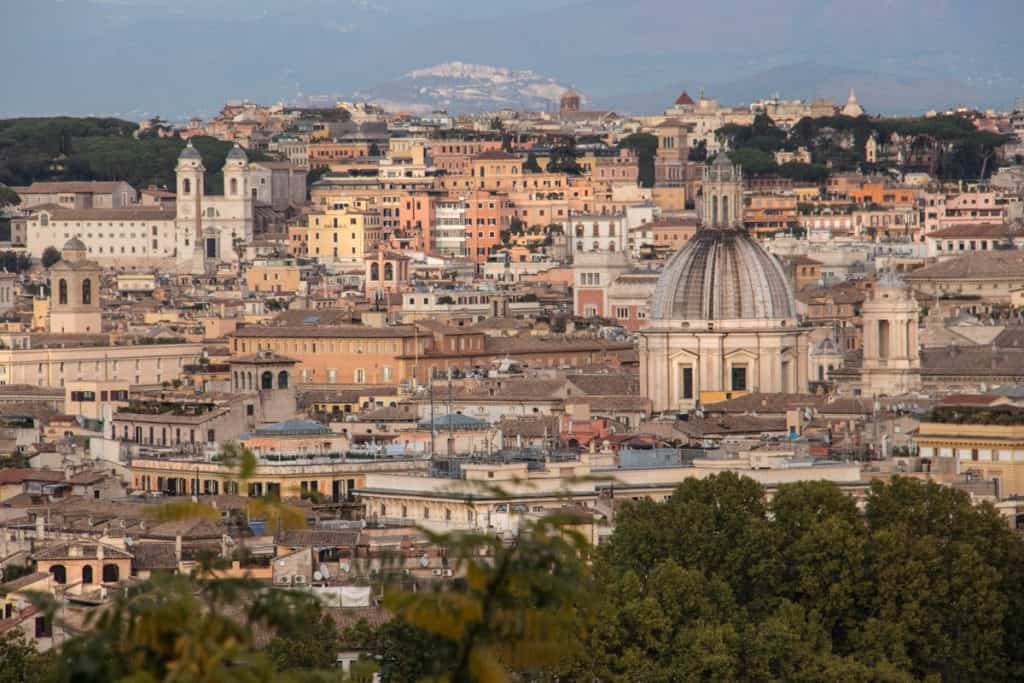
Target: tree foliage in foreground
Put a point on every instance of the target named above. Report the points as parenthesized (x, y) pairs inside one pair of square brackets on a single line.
[(721, 585), (715, 584)]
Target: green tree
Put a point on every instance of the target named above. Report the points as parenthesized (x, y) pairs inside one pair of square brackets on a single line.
[(312, 645), (645, 146), (515, 611), (20, 662), (753, 160), (531, 165), (50, 256), (8, 197), (698, 152)]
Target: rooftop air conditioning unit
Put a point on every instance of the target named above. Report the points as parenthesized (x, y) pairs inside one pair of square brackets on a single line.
[(299, 579), (448, 572), (284, 580), (437, 572)]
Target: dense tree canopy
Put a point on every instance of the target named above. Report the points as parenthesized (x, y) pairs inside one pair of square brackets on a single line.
[(724, 586), (66, 148)]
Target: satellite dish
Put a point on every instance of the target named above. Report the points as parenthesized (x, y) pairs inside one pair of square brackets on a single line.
[(345, 567), (323, 570), (424, 561), (317, 576)]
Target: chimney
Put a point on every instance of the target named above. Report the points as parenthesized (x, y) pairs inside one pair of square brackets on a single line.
[(99, 554), (177, 548), (40, 528)]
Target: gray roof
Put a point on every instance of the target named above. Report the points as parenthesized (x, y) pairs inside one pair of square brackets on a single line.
[(455, 421), (190, 152), (292, 428), (75, 243), (237, 153)]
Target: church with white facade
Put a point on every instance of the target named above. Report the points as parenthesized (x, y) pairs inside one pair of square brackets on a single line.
[(208, 227)]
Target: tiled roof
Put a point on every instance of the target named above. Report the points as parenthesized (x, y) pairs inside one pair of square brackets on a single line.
[(319, 538), (155, 556), (18, 475), (333, 332), (975, 231), (73, 187), (86, 550), (979, 264), (140, 213)]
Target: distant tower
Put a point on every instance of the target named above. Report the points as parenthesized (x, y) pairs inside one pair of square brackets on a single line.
[(892, 357), (722, 187), (270, 379), (190, 172), (570, 101), (852, 108), (75, 292), (236, 173)]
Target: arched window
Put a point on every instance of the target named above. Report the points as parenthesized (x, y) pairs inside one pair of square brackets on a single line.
[(374, 271), (282, 380), (62, 291), (87, 574), (910, 339), (714, 210), (597, 246), (234, 186), (111, 574), (725, 211), (86, 291), (579, 230), (44, 219), (389, 271), (60, 573), (595, 230), (267, 380), (248, 380), (883, 339), (611, 230), (186, 186), (611, 246)]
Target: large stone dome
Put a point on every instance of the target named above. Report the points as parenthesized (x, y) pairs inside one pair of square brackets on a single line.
[(722, 275)]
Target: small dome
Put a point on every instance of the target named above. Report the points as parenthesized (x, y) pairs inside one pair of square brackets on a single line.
[(74, 244), (722, 275), (684, 99), (237, 153), (190, 152)]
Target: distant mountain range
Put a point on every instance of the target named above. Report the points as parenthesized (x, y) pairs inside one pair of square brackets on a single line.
[(188, 57), (465, 88), (460, 88)]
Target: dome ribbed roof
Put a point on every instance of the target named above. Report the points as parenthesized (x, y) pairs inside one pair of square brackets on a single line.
[(722, 275), (75, 244)]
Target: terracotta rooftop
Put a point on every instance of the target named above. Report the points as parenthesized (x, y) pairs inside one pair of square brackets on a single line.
[(972, 266)]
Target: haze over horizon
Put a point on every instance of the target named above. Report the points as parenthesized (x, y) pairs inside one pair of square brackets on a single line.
[(134, 58)]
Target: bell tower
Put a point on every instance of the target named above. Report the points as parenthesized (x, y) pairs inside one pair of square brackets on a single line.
[(892, 356), (75, 292), (189, 223)]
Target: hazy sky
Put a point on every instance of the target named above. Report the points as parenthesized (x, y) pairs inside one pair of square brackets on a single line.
[(136, 57)]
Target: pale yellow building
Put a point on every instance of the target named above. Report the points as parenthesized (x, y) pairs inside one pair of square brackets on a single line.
[(347, 231), (957, 442), (277, 277)]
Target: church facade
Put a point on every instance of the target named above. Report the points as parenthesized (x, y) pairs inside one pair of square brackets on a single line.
[(208, 227)]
